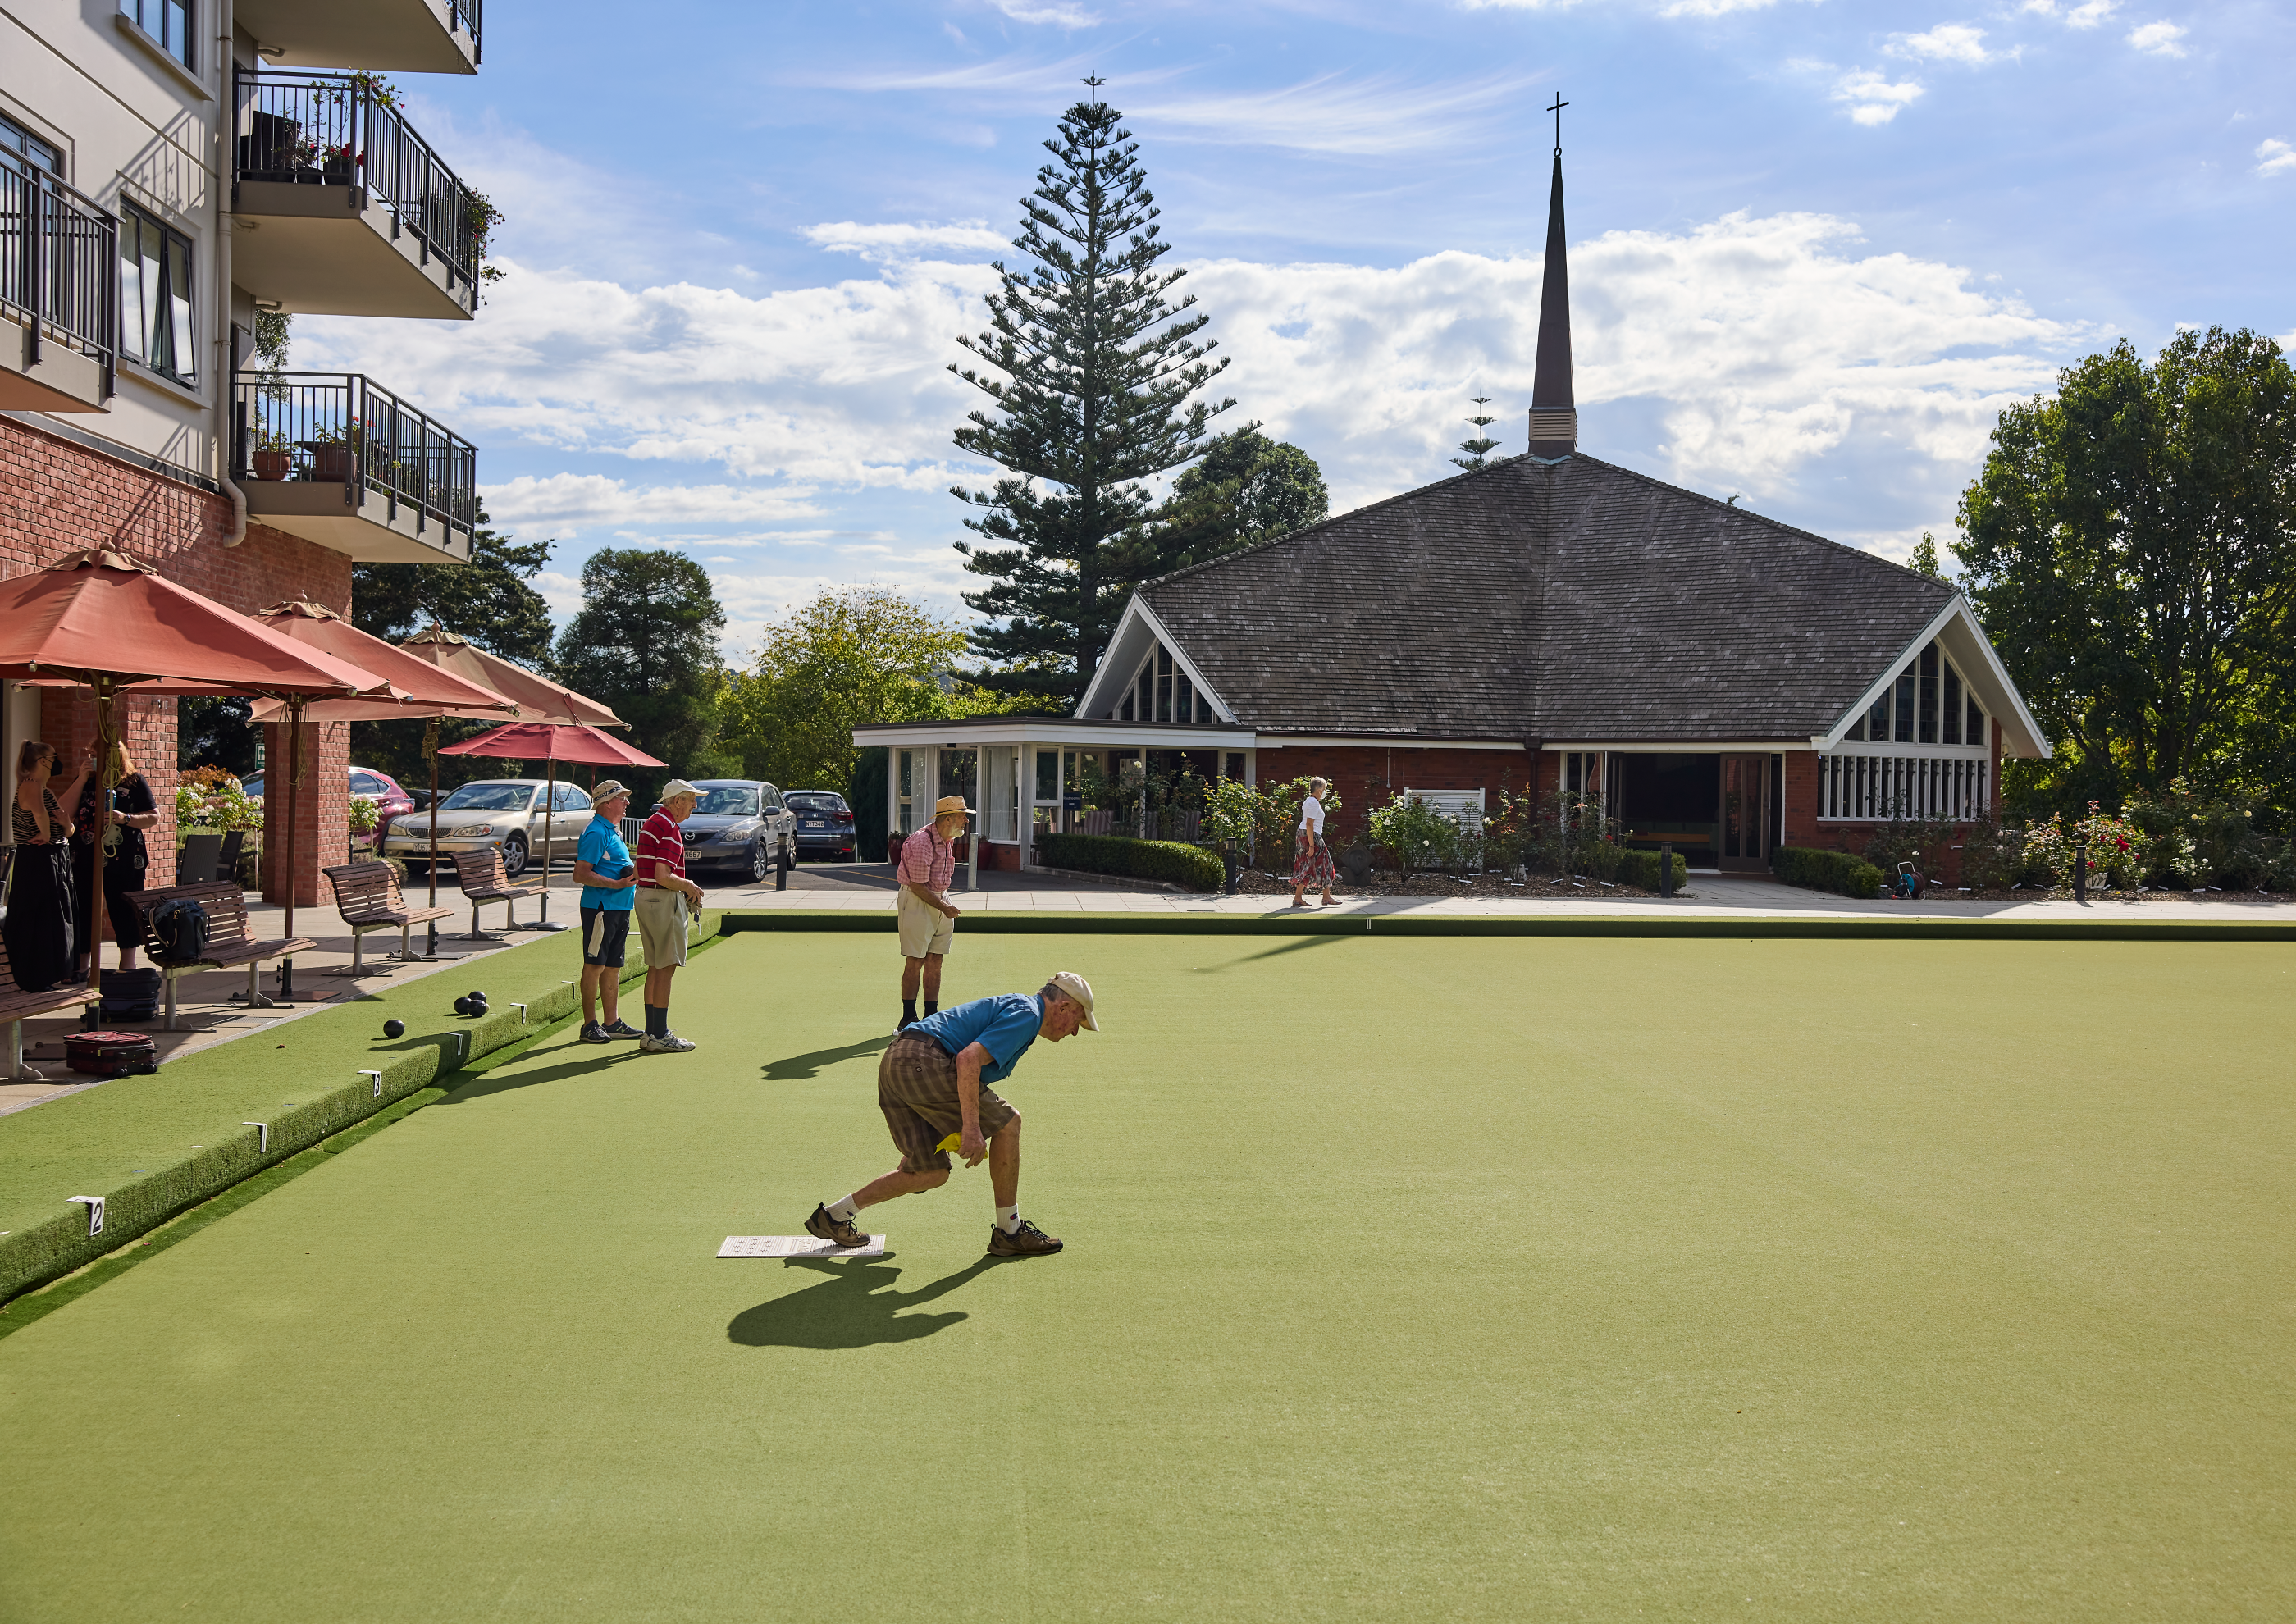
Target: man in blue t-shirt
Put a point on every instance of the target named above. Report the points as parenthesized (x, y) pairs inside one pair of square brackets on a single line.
[(609, 880), (933, 1084)]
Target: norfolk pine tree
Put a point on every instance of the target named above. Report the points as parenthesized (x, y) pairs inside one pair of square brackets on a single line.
[(1096, 370), (1479, 448)]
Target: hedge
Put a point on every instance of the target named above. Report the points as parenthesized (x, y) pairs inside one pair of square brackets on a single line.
[(1193, 867), (1641, 868), (1842, 872)]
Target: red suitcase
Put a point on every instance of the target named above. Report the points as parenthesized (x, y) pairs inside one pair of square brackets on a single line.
[(111, 1054)]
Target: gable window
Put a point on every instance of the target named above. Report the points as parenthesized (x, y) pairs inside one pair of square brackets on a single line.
[(1161, 692), (1928, 703), (1921, 751), (168, 21), (155, 295)]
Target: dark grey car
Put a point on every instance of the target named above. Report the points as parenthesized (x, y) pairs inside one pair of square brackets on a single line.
[(741, 823)]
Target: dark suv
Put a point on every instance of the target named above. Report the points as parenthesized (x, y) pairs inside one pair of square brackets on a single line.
[(825, 822)]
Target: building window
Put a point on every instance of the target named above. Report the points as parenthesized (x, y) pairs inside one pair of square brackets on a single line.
[(168, 21), (155, 295), (1909, 710), (20, 148)]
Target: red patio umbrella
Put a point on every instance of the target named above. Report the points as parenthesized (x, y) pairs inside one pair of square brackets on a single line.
[(102, 618), (536, 741)]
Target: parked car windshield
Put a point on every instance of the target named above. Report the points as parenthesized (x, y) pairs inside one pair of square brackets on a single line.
[(728, 801), (488, 798), (802, 802)]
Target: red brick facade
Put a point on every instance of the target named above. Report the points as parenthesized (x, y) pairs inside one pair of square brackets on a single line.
[(1365, 776), (57, 497)]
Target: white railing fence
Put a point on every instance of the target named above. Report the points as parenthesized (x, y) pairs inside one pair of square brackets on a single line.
[(1863, 787)]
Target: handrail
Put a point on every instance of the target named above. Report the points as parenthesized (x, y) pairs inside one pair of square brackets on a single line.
[(60, 265), (339, 129), (344, 427)]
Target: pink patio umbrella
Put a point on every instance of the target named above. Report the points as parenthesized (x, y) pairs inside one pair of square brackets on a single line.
[(104, 619)]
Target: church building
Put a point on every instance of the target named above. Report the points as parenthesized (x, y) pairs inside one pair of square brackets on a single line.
[(1720, 681)]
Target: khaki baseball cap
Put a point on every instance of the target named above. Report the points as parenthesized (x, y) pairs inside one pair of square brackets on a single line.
[(1076, 987), (676, 787)]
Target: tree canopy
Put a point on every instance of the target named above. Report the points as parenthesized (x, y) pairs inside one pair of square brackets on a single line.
[(645, 643), (1088, 367), (2130, 545), (1246, 489)]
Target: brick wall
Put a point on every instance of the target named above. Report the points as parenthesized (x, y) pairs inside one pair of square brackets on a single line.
[(1366, 776), (57, 497)]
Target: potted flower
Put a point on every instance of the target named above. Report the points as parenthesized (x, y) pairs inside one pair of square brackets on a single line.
[(273, 456), (331, 454), (338, 164)]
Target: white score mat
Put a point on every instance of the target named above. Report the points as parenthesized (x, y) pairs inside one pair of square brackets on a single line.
[(796, 1246)]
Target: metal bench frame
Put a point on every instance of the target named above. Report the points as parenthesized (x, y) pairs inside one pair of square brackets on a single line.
[(229, 943), (480, 875), (368, 898)]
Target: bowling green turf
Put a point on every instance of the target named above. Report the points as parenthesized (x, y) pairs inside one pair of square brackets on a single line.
[(1461, 1278)]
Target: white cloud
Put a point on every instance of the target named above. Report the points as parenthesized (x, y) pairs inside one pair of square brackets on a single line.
[(1948, 41), (2088, 14), (1331, 113), (898, 241), (572, 505), (1873, 99), (2274, 158), (1713, 8), (1059, 14), (2158, 38)]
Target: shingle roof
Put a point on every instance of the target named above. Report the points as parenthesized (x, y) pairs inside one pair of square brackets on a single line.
[(1557, 601)]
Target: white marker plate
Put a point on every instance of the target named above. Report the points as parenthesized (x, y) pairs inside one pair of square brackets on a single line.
[(796, 1246)]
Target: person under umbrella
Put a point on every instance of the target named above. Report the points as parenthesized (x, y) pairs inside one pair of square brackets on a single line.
[(38, 930), (116, 820)]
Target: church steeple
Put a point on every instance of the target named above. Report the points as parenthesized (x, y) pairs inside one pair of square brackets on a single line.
[(1554, 413)]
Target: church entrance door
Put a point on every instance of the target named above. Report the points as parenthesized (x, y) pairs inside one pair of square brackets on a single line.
[(1747, 813)]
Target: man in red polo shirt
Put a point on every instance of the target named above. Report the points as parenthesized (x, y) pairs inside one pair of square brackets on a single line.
[(664, 895)]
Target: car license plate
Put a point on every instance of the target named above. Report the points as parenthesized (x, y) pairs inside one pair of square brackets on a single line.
[(814, 824)]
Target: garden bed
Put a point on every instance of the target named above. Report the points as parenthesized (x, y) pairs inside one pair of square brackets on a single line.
[(1388, 882)]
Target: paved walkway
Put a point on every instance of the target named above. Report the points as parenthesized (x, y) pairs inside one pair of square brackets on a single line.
[(1709, 896)]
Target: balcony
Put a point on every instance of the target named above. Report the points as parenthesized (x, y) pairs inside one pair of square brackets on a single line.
[(383, 36), (334, 459), (59, 295), (342, 209)]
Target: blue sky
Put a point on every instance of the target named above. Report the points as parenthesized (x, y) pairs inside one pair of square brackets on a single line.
[(1815, 247)]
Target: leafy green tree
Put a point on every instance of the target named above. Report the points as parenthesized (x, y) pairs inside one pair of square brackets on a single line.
[(1246, 489), (1925, 559), (2131, 546), (1088, 367), (1479, 448), (645, 643)]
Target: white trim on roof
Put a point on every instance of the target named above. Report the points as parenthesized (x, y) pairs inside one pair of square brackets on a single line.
[(1137, 631), (1956, 627)]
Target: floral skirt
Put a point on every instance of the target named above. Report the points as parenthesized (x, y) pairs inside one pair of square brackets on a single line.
[(1311, 863)]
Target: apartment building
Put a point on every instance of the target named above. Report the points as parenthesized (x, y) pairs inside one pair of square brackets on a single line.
[(174, 175)]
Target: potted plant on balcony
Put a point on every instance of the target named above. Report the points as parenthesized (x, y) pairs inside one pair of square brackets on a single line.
[(273, 456), (339, 165), (332, 451)]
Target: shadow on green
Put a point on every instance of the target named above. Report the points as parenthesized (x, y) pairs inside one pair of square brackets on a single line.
[(796, 1068), (852, 1309), (1295, 946)]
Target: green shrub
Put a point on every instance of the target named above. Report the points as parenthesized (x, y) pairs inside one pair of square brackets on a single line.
[(1414, 835), (1842, 872), (1641, 868), (1193, 867)]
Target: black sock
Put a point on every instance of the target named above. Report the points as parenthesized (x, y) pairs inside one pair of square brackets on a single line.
[(657, 1019), (908, 1012), (932, 1007)]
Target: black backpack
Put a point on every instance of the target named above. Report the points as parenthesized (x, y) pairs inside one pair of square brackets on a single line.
[(179, 926)]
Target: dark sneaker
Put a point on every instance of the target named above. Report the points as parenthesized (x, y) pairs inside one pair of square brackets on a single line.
[(821, 1226), (621, 1029), (595, 1033), (1026, 1242)]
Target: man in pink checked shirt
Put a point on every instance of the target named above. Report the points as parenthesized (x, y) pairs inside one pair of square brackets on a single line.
[(927, 918)]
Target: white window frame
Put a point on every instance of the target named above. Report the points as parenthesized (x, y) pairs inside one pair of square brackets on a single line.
[(178, 309)]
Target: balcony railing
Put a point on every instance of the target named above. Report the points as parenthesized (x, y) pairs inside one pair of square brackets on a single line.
[(465, 14), (337, 129), (333, 427), (58, 266), (1872, 787)]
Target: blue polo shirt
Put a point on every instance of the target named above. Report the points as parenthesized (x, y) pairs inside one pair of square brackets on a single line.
[(1005, 1025), (603, 849)]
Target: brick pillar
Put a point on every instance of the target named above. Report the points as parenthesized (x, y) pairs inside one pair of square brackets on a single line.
[(1801, 796), (322, 809)]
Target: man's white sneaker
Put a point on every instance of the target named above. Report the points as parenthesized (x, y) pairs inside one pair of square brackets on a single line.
[(668, 1043)]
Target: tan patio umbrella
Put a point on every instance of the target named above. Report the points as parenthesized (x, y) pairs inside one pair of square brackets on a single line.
[(104, 619)]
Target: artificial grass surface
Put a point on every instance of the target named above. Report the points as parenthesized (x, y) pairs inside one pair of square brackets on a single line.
[(1409, 1279)]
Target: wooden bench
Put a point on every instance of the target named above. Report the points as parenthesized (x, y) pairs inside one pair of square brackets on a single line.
[(16, 1003), (480, 875), (367, 897), (230, 943)]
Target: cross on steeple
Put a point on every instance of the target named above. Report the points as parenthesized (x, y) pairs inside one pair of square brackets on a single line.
[(1557, 111)]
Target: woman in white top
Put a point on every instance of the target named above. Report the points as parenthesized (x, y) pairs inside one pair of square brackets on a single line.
[(1311, 858)]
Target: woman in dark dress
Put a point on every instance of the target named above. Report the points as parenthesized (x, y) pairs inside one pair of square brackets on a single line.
[(38, 930), (132, 811)]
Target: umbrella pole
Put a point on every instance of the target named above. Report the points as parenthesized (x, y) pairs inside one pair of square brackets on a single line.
[(94, 1014), (549, 816), (295, 703), (431, 748)]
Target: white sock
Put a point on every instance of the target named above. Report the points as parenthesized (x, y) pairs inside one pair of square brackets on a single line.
[(846, 1211), (1008, 1219)]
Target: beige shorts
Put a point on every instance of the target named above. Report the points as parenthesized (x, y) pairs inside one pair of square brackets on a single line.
[(924, 931), (661, 927)]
